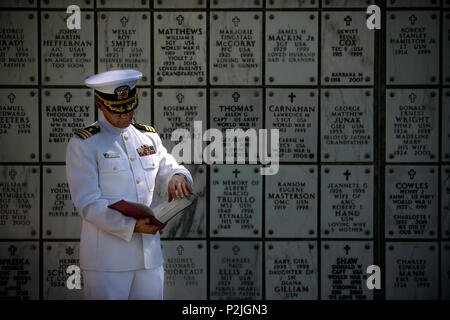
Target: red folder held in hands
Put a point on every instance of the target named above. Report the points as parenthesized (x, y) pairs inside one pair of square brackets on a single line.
[(158, 216), (132, 210)]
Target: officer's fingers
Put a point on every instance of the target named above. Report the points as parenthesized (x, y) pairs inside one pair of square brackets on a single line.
[(179, 187), (152, 229), (188, 187), (185, 189)]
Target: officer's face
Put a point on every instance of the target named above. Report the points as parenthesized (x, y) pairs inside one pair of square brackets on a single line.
[(118, 120)]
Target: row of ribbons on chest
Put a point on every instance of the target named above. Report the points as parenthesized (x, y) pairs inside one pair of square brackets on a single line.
[(146, 150)]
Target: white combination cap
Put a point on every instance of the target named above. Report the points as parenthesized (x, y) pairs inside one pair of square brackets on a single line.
[(107, 82)]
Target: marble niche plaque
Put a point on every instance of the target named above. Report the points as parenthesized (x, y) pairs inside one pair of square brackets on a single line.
[(236, 109), (347, 202), (412, 48), (347, 125), (291, 202), (143, 113), (445, 270), (19, 198), (412, 3), (236, 48), (19, 3), (57, 257), (411, 202), (19, 269), (129, 4), (19, 125), (192, 222), (272, 4), (236, 270), (346, 3), (184, 270), (178, 4), (291, 45), (234, 4), (412, 270), (347, 49), (60, 218), (178, 109), (291, 270), (446, 125), (235, 202), (124, 42), (67, 56), (294, 113), (18, 48), (180, 48), (83, 4), (412, 125), (445, 199), (64, 112), (446, 48), (344, 265)]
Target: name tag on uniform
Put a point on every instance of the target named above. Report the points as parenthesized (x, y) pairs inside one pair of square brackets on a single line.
[(146, 150), (111, 155)]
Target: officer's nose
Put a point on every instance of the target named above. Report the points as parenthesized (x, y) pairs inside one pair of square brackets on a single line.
[(127, 115)]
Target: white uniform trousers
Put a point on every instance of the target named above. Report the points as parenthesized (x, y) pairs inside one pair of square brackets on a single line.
[(144, 284)]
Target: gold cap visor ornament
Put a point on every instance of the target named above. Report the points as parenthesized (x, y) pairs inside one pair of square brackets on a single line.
[(115, 90)]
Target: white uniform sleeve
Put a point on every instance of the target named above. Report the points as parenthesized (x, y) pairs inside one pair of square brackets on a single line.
[(168, 166), (82, 176)]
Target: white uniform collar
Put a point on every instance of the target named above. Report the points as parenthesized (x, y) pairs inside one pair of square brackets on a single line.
[(107, 125)]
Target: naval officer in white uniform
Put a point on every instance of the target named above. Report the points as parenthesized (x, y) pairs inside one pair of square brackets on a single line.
[(116, 159)]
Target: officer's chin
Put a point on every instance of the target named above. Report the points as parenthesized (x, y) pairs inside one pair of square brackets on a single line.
[(123, 124)]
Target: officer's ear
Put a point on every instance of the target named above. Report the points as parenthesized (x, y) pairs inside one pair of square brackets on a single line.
[(101, 107)]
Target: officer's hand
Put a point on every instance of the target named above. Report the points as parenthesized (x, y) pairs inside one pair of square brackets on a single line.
[(178, 183), (143, 226)]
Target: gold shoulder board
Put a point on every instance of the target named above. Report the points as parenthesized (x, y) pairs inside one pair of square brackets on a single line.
[(88, 132), (144, 127)]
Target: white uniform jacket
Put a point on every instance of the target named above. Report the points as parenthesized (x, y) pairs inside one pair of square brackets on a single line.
[(107, 167)]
